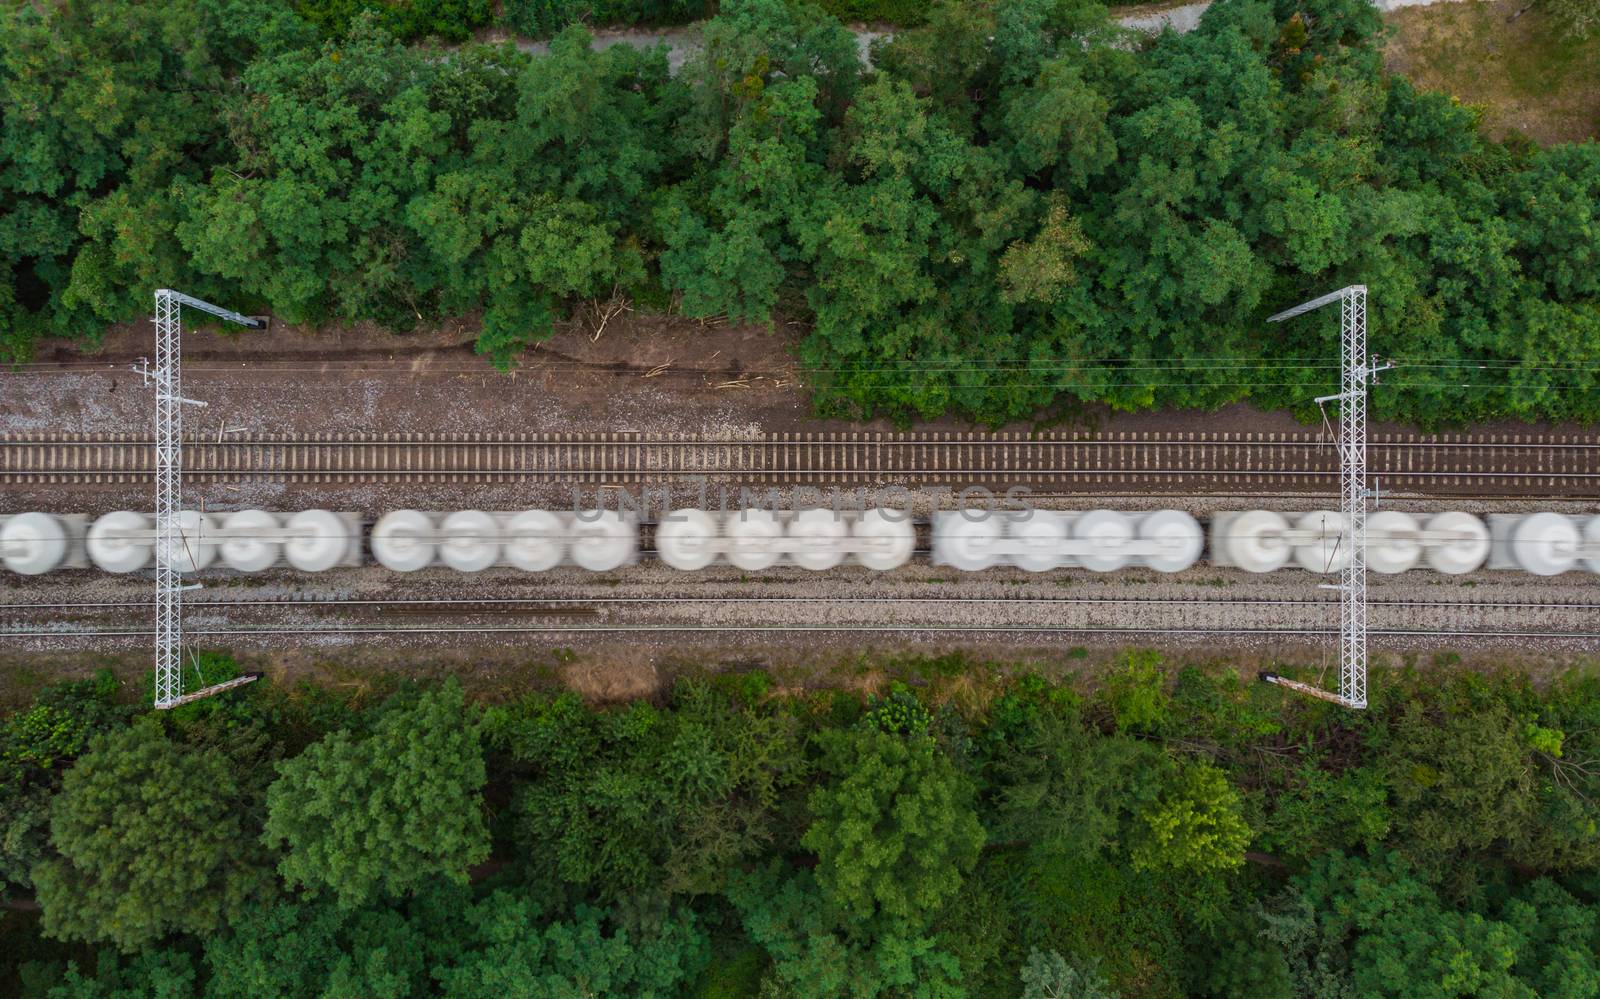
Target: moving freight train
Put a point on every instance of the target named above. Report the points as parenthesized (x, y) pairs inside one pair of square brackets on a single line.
[(1258, 541)]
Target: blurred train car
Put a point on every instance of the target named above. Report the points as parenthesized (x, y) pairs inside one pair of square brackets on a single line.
[(1042, 540), (1265, 541), (35, 542), (688, 540), (1545, 544)]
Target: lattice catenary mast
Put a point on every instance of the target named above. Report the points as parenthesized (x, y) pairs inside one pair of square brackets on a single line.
[(168, 376), (1359, 371)]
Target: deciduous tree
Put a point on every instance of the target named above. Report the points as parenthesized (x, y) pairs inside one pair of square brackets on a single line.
[(363, 816), (893, 827), (150, 842)]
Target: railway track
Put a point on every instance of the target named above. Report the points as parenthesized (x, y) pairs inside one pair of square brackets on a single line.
[(471, 605), (299, 614), (1496, 635), (1184, 463)]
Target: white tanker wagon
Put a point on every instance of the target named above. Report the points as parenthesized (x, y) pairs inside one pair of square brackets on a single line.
[(814, 539), (530, 540), (34, 543), (879, 540), (1544, 544), (1264, 541), (124, 541), (1042, 540)]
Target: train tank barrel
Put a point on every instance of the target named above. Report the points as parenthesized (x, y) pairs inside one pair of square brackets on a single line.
[(33, 543)]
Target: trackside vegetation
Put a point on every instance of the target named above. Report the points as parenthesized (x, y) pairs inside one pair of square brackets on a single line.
[(1017, 208), (970, 830)]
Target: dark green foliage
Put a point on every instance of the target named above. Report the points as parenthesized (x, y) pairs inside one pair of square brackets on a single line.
[(151, 840), (380, 814), (104, 104), (1365, 919), (317, 949), (150, 974), (333, 144), (1149, 834), (1017, 213), (813, 955), (732, 975), (897, 13), (453, 20), (37, 744), (544, 18), (893, 828), (1467, 774), (511, 949), (622, 800), (534, 212)]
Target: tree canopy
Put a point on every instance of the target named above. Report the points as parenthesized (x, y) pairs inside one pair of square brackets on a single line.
[(385, 811), (967, 831), (149, 838), (894, 828), (1015, 209)]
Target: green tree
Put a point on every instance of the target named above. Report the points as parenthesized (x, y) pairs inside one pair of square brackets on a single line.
[(332, 144), (1194, 825), (536, 212), (814, 955), (1058, 127), (1370, 918), (1459, 778), (614, 800), (377, 814), (149, 974), (512, 947), (1057, 785), (893, 827), (150, 842), (317, 948), (104, 104), (1047, 975), (728, 250), (37, 744), (453, 20), (1559, 951)]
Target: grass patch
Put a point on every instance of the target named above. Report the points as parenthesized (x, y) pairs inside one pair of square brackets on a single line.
[(1527, 78)]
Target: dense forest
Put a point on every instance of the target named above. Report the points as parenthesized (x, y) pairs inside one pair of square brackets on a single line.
[(969, 830), (1018, 209)]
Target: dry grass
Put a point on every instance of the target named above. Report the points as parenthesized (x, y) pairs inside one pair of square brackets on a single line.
[(1527, 78)]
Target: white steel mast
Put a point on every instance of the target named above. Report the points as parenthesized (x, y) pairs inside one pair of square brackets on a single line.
[(1359, 370), (168, 375)]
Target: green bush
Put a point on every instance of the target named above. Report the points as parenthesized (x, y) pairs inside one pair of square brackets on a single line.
[(901, 713), (899, 13), (451, 20), (545, 18)]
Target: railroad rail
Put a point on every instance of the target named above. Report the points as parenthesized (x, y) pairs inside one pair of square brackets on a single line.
[(1192, 463), (1492, 618), (469, 605), (1495, 635)]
